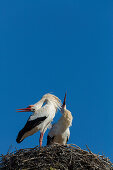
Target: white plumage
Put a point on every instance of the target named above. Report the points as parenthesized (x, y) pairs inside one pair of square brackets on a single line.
[(59, 133), (43, 114)]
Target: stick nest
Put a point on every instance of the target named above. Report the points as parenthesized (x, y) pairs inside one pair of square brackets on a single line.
[(54, 157)]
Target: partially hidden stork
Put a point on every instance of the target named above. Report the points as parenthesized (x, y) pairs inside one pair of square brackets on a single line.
[(42, 116), (59, 133)]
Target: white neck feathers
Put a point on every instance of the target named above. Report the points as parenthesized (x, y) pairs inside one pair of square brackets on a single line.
[(49, 99), (66, 119)]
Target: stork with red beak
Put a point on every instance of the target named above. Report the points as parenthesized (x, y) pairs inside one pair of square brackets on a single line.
[(43, 113), (59, 133)]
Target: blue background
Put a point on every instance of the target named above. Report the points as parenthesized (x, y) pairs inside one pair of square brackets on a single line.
[(54, 46)]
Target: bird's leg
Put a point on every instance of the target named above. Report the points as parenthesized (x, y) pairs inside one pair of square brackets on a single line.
[(41, 138)]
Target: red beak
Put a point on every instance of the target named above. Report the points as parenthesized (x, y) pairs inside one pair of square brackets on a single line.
[(64, 103), (27, 109)]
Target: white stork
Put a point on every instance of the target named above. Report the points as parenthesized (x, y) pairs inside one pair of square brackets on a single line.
[(59, 133), (43, 114)]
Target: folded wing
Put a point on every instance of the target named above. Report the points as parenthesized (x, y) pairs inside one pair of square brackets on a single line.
[(29, 126)]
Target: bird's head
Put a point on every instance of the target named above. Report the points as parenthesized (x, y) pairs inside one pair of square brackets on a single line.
[(30, 108), (67, 116), (47, 98)]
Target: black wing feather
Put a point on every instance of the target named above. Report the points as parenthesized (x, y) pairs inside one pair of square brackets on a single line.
[(29, 126), (50, 140)]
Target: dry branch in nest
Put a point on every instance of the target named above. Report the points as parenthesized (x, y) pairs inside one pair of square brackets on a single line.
[(54, 157)]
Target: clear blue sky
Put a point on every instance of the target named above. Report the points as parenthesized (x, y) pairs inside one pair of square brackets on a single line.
[(54, 46)]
